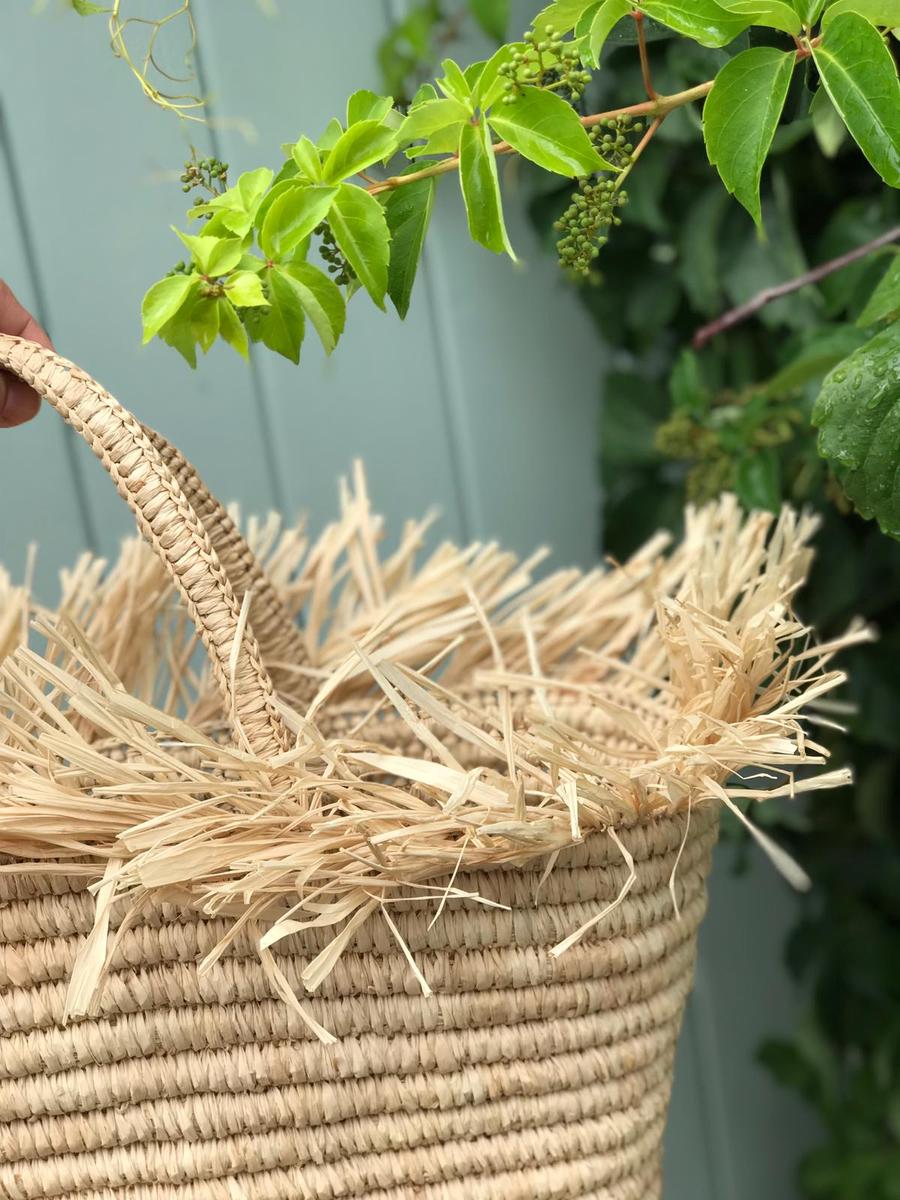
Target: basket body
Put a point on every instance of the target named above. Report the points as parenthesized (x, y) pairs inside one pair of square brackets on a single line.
[(525, 1076)]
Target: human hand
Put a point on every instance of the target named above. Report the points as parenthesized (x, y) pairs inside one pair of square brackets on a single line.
[(18, 403)]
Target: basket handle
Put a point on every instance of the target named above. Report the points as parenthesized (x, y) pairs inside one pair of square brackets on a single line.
[(173, 528)]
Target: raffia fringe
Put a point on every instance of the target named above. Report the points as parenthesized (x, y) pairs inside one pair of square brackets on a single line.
[(466, 716)]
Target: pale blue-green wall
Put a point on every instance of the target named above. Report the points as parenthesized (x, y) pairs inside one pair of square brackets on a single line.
[(484, 402)]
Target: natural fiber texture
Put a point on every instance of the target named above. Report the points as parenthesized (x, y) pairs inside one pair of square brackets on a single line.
[(423, 923)]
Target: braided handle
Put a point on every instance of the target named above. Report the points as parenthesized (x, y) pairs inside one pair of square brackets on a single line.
[(171, 526)]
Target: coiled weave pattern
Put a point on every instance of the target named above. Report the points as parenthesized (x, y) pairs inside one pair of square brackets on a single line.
[(526, 1076)]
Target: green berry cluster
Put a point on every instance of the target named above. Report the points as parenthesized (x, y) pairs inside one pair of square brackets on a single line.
[(546, 61), (180, 268), (585, 224), (208, 173), (338, 267)]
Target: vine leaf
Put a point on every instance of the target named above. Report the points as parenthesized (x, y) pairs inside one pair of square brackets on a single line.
[(740, 117), (858, 416), (292, 217), (481, 189), (362, 145), (212, 255), (885, 300), (545, 129), (164, 300), (605, 19), (408, 212), (454, 84), (365, 105), (281, 326), (358, 223), (774, 14), (305, 154), (879, 12), (703, 20), (432, 117), (245, 290), (859, 74), (320, 298), (829, 130), (231, 329)]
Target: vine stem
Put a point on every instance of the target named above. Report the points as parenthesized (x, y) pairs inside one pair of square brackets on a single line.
[(658, 108), (743, 312), (642, 51)]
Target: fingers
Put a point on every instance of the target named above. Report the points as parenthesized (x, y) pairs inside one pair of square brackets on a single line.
[(18, 403)]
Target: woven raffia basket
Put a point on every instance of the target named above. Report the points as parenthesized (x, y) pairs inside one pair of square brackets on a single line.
[(399, 900)]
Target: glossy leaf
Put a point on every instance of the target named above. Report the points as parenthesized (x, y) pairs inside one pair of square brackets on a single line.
[(281, 326), (489, 87), (740, 117), (306, 155), (481, 188), (333, 132), (274, 193), (245, 290), (361, 146), (292, 217), (545, 128), (204, 323), (213, 256), (772, 13), (367, 106), (454, 84), (164, 300), (564, 15), (360, 229), (858, 416), (492, 16), (703, 20), (320, 298), (429, 118), (879, 12), (230, 328), (861, 78), (408, 212), (605, 19), (885, 300)]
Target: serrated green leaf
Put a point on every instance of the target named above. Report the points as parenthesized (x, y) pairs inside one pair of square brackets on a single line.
[(809, 10), (445, 141), (489, 88), (251, 187), (358, 223), (281, 326), (703, 20), (321, 301), (605, 19), (424, 93), (204, 323), (481, 189), (163, 301), (774, 14), (740, 117), (430, 118), (860, 76), (408, 212), (563, 15), (492, 16), (329, 139), (362, 145), (230, 328), (179, 335), (292, 217), (829, 130), (212, 255), (305, 154), (85, 8), (885, 300), (858, 417), (367, 106), (546, 130), (245, 290), (879, 12), (454, 84), (275, 191)]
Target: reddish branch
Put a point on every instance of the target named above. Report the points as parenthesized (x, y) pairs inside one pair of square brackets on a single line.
[(743, 312)]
